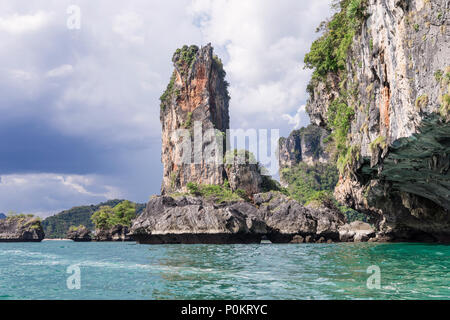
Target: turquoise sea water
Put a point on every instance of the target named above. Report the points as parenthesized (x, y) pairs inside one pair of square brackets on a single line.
[(266, 271)]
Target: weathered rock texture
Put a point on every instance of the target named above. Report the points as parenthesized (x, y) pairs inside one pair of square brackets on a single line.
[(116, 233), (243, 172), (303, 145), (195, 220), (397, 69), (356, 231), (197, 96), (79, 234), (21, 229)]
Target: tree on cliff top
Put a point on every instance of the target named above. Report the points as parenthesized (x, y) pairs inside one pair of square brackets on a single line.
[(108, 217)]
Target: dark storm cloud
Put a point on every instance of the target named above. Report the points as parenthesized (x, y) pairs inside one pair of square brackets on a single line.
[(80, 108)]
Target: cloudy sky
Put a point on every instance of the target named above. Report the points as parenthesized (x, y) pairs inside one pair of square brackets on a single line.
[(79, 107)]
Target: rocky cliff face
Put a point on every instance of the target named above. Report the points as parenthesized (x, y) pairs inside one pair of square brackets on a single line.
[(396, 82), (196, 100), (116, 233), (196, 220), (79, 234), (21, 229), (303, 145)]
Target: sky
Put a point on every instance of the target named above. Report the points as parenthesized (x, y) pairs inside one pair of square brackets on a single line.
[(80, 83)]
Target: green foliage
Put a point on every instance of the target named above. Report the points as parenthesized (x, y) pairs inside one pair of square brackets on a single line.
[(193, 188), (107, 217), (216, 193), (353, 215), (445, 106), (269, 184), (57, 226), (19, 216), (169, 91), (74, 228), (306, 183), (416, 27), (314, 186), (447, 77), (348, 157), (379, 142), (422, 102), (340, 116), (124, 213), (26, 220), (103, 217), (438, 75), (188, 122), (186, 56), (329, 52)]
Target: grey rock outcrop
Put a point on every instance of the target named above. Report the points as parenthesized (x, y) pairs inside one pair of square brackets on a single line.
[(194, 220), (21, 229), (79, 234), (195, 106), (303, 145), (116, 233), (286, 219), (356, 231), (243, 172)]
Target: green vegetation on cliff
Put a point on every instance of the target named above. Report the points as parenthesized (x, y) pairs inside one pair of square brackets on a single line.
[(184, 57), (329, 52), (168, 93), (307, 183), (57, 226), (314, 186), (107, 217), (216, 192), (27, 220)]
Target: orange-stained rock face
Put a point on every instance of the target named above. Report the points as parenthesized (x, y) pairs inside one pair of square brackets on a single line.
[(384, 108), (199, 94)]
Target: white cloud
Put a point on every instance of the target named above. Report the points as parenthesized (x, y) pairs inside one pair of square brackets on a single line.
[(130, 27), (101, 84), (18, 192), (61, 71), (298, 120), (265, 42), (21, 75), (18, 24)]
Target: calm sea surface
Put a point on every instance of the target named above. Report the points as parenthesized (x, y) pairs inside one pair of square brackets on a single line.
[(266, 271)]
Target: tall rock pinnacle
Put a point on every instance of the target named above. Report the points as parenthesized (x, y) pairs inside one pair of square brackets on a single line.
[(195, 103)]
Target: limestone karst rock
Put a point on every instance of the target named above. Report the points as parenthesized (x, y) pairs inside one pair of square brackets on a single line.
[(21, 228), (303, 145), (196, 101), (115, 233), (79, 234), (189, 220), (196, 97), (394, 90)]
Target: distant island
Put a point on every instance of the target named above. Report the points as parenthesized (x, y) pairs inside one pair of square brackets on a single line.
[(57, 226)]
